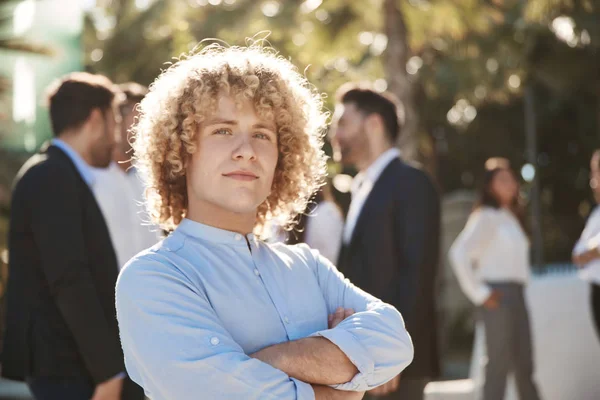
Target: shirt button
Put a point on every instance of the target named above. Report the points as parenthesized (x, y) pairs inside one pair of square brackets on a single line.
[(238, 237), (214, 341), (256, 272), (287, 320)]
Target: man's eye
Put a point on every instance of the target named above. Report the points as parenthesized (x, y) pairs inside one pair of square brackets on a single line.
[(222, 131), (262, 136)]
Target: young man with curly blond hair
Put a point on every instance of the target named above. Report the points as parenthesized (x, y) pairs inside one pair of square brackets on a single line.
[(228, 139)]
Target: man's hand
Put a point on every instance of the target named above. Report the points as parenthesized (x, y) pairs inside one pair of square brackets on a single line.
[(327, 393), (339, 315), (585, 257), (109, 390), (493, 301), (386, 388)]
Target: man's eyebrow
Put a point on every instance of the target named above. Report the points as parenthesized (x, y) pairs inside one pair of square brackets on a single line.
[(262, 125), (221, 121)]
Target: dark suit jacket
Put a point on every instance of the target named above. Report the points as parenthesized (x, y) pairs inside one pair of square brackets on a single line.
[(394, 253), (61, 318)]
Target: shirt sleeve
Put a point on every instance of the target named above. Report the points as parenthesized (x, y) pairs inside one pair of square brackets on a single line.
[(590, 237), (374, 338), (468, 247), (176, 347)]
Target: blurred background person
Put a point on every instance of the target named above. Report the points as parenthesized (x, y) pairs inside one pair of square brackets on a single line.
[(61, 333), (390, 244), (491, 260), (321, 225), (586, 253), (119, 189)]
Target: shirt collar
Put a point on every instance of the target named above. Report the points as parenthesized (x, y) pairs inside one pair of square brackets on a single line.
[(212, 234), (82, 167), (374, 171)]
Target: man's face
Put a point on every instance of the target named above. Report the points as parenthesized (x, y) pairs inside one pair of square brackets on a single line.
[(129, 115), (104, 137), (235, 161), (349, 137)]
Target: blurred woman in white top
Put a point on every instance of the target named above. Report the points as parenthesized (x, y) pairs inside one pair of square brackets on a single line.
[(491, 260), (586, 253), (321, 225)]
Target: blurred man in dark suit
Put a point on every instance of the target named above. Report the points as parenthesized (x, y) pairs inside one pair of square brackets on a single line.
[(390, 244), (61, 332)]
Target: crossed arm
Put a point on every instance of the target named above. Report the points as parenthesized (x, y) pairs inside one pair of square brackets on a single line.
[(315, 360), (587, 250)]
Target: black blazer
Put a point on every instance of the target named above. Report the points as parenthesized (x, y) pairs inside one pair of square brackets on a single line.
[(394, 253), (61, 318)]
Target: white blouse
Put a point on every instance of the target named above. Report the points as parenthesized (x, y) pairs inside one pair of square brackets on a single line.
[(590, 239), (491, 248), (324, 228)]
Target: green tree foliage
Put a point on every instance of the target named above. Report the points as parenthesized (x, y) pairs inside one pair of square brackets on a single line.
[(468, 63)]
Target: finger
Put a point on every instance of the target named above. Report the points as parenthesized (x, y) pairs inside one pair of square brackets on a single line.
[(385, 389), (329, 320), (348, 312), (395, 383), (337, 317), (376, 392)]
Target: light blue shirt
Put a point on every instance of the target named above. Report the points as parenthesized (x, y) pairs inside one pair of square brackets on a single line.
[(195, 306), (86, 172)]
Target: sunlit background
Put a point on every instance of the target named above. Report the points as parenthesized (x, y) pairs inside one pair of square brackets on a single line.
[(512, 78)]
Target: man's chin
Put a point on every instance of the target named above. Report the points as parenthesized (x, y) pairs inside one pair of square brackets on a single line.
[(102, 164)]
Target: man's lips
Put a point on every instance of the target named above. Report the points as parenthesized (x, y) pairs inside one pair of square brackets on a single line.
[(241, 175)]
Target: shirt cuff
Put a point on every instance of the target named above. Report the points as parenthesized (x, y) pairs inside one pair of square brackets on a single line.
[(482, 293), (120, 375), (356, 353), (304, 391)]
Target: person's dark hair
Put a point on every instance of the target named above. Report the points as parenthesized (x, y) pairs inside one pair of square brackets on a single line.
[(134, 92), (72, 98), (487, 199), (369, 101)]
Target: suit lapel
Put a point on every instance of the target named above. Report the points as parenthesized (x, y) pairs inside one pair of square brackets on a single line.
[(371, 200)]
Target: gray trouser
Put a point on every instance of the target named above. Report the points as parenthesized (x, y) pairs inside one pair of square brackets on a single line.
[(508, 341)]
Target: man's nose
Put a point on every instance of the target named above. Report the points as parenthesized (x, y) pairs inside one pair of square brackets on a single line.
[(244, 149)]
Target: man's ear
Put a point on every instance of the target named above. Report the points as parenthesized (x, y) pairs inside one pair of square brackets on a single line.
[(94, 120), (374, 124)]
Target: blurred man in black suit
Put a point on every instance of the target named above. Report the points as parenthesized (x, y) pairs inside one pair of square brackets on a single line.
[(61, 332), (390, 244)]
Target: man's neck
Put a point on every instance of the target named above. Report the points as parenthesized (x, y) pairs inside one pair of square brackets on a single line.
[(122, 159), (209, 214), (371, 157), (76, 141)]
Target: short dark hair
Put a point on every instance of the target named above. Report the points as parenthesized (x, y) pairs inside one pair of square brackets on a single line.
[(369, 101), (73, 97), (133, 91)]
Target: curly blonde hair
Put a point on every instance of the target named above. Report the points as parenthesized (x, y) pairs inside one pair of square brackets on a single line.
[(186, 94)]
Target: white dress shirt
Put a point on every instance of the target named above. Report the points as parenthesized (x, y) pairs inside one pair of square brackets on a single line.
[(590, 239), (361, 188), (324, 228), (120, 197), (491, 248)]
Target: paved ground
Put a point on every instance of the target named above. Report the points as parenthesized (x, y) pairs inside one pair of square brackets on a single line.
[(10, 390)]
